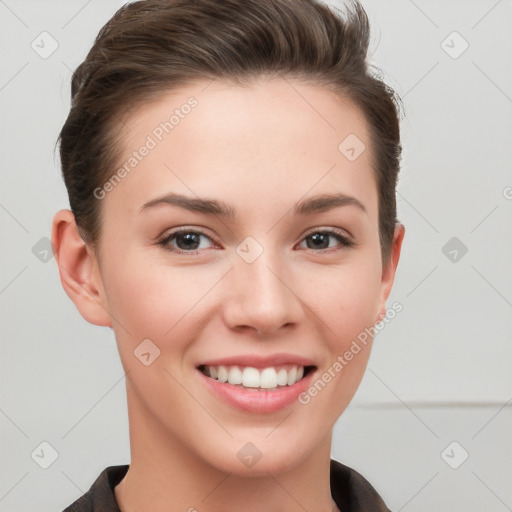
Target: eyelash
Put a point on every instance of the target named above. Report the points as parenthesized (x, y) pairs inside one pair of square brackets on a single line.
[(345, 242)]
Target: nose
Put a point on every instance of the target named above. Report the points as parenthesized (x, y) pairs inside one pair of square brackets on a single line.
[(260, 296)]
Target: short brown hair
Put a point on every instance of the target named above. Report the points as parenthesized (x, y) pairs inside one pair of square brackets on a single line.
[(151, 47)]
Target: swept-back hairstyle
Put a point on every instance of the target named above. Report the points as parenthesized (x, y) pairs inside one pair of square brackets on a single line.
[(148, 48)]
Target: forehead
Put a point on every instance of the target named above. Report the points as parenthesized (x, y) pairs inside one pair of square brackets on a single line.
[(275, 140)]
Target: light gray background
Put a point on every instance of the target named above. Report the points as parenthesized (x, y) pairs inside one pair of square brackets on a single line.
[(440, 372)]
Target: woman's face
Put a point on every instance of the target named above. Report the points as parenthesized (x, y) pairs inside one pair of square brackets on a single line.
[(283, 281)]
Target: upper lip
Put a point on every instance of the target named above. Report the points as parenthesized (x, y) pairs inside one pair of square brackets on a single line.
[(257, 361)]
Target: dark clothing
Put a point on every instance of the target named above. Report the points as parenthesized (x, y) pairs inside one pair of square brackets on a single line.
[(350, 490)]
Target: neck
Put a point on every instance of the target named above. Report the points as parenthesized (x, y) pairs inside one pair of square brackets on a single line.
[(167, 476)]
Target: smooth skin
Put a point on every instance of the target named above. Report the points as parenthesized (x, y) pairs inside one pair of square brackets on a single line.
[(259, 149)]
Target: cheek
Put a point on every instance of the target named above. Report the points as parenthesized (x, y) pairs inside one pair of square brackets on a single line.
[(157, 301), (348, 307), (346, 298), (139, 297)]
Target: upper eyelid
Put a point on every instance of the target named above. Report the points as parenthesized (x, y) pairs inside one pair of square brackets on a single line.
[(178, 231), (337, 231), (202, 232)]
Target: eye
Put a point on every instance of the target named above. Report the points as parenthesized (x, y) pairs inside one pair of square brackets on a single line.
[(186, 241), (320, 240)]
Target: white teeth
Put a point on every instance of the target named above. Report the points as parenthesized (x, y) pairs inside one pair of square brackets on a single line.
[(249, 377), (282, 377), (222, 374), (292, 375), (268, 378), (235, 375)]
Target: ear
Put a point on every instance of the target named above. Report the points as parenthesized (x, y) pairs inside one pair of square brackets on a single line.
[(389, 270), (79, 270)]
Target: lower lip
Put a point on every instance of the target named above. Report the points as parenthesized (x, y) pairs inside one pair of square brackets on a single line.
[(257, 401)]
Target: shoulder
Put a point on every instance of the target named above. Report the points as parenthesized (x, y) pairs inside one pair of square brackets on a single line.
[(100, 497), (351, 491)]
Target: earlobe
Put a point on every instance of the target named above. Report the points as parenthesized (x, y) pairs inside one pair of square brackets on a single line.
[(389, 271), (78, 269)]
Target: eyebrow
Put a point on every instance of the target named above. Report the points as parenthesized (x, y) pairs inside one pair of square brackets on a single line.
[(314, 204)]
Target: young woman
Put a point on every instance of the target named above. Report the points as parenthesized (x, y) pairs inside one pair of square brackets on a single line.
[(231, 169)]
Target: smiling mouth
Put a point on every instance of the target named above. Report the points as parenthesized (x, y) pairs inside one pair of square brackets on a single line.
[(257, 379)]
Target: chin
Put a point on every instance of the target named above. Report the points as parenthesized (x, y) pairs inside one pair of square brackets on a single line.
[(257, 458)]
